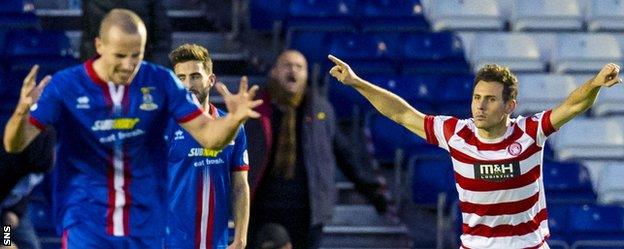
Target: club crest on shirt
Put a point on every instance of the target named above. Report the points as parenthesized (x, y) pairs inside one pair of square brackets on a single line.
[(514, 149), (148, 101), (497, 172), (82, 102)]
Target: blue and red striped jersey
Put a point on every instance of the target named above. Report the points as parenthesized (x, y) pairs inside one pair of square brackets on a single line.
[(111, 158), (199, 188)]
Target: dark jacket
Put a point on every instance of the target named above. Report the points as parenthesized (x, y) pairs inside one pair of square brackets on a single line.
[(36, 158), (323, 147), (153, 14)]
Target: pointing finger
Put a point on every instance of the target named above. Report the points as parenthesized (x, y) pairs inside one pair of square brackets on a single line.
[(337, 61)]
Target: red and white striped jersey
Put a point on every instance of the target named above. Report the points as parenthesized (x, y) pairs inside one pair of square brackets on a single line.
[(499, 181)]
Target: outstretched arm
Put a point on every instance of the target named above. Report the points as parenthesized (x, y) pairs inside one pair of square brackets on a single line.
[(584, 96), (387, 103), (240, 208), (217, 133), (18, 132)]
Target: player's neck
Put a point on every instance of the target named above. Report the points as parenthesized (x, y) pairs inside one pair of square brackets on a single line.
[(206, 104), (101, 73), (495, 131)]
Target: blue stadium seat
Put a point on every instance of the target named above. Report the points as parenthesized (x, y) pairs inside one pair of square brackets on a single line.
[(418, 90), (321, 14), (440, 52), (309, 42), (432, 174), (22, 43), (263, 13), (454, 95), (567, 182), (558, 221), (397, 15), (345, 99), (367, 52), (389, 136), (17, 14), (593, 222), (24, 48)]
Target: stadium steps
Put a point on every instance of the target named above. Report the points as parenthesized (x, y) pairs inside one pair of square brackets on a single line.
[(359, 226)]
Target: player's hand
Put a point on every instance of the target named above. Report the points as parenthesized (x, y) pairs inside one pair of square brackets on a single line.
[(342, 71), (240, 105), (237, 244), (10, 219), (29, 95), (608, 76)]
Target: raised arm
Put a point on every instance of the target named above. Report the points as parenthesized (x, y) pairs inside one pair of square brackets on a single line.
[(386, 102), (584, 96), (18, 132), (217, 133)]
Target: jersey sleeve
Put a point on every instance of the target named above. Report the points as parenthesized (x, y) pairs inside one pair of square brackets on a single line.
[(240, 158), (543, 126), (439, 129), (48, 108), (180, 103)]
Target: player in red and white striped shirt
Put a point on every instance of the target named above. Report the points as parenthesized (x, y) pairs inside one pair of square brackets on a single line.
[(497, 159)]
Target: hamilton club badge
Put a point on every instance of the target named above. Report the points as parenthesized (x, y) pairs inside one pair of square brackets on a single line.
[(148, 101), (514, 149)]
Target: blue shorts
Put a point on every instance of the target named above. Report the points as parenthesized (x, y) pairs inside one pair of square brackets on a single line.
[(81, 235)]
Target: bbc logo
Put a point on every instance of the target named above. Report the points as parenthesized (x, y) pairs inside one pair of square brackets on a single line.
[(6, 235)]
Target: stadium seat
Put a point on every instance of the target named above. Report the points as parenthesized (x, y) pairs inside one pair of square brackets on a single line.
[(417, 89), (546, 15), (388, 136), (366, 52), (540, 92), (395, 15), (15, 14), (453, 95), (609, 102), (594, 222), (567, 182), (611, 187), (584, 53), (21, 43), (264, 13), (557, 220), (309, 42), (431, 176), (24, 48), (514, 50), (597, 138), (605, 15), (321, 14), (465, 15), (346, 100), (440, 52)]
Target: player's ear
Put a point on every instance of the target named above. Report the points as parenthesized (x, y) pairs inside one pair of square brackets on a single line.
[(98, 45), (212, 80), (510, 106)]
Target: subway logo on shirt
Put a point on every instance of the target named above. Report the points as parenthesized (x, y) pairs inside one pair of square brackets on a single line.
[(195, 152), (115, 124)]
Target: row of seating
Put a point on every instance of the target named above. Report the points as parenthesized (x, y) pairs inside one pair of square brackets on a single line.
[(341, 14), (525, 15), (385, 52), (527, 52)]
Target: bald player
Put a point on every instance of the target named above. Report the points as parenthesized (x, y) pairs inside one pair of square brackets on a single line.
[(110, 114)]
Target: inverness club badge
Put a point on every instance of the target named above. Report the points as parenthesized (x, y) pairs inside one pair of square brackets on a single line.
[(148, 101)]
